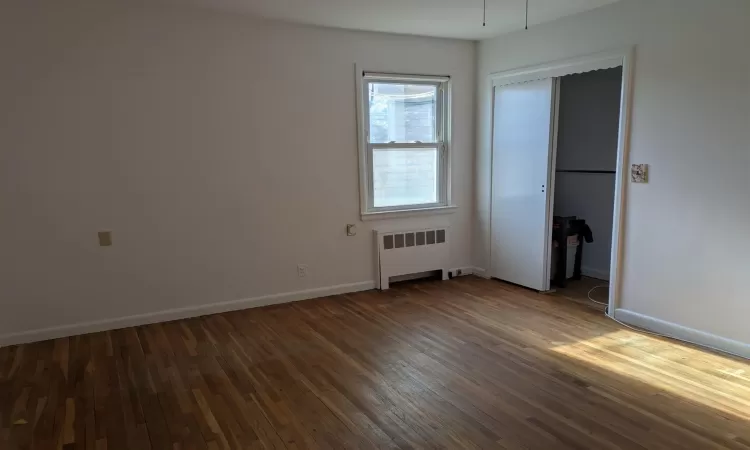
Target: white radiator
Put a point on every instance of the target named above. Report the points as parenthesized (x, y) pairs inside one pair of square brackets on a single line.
[(410, 252)]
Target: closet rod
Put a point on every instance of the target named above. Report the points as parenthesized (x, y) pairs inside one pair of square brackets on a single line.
[(586, 171)]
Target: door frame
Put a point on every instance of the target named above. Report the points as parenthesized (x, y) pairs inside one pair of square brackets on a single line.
[(555, 69)]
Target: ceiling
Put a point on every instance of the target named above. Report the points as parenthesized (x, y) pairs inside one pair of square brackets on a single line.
[(444, 18)]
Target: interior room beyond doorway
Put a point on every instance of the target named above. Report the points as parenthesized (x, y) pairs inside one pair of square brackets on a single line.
[(585, 178)]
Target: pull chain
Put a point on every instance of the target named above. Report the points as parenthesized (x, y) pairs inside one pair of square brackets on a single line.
[(527, 14), (484, 14)]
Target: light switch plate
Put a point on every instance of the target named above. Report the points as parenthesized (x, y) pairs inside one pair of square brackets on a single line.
[(351, 230), (639, 173)]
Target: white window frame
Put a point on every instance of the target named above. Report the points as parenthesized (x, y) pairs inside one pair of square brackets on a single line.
[(443, 144)]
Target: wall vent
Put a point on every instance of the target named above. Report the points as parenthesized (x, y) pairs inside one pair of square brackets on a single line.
[(410, 252)]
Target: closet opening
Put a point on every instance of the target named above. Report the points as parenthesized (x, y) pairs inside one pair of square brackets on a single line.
[(585, 171), (559, 155)]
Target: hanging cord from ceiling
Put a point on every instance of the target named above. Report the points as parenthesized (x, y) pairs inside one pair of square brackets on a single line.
[(527, 14), (484, 14)]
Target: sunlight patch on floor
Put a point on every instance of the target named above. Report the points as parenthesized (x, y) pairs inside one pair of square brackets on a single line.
[(650, 361)]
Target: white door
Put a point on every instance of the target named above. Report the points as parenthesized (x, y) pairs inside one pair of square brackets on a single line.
[(523, 152)]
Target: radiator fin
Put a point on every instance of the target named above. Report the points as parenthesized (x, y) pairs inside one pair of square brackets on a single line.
[(419, 238)]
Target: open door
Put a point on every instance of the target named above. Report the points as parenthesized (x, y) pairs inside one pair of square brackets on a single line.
[(523, 152)]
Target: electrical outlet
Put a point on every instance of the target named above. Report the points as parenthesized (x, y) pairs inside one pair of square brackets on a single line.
[(302, 270), (105, 238), (351, 229), (456, 273)]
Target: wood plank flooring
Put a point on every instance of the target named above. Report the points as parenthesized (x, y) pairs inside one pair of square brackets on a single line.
[(578, 291), (463, 364)]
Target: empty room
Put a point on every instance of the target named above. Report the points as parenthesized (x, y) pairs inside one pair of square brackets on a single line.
[(334, 224)]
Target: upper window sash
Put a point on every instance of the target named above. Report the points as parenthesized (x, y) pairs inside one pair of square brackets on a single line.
[(395, 78), (438, 83)]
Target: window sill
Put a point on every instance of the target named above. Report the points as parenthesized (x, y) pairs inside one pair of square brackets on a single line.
[(437, 210)]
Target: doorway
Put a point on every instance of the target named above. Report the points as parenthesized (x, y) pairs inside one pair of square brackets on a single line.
[(559, 152), (584, 187)]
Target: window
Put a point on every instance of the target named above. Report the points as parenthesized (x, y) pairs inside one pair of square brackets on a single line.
[(404, 130)]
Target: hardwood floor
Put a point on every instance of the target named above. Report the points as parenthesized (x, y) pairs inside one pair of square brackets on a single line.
[(468, 363), (578, 291)]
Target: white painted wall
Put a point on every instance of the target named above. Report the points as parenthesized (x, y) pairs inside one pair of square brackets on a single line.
[(687, 245), (220, 150), (589, 117)]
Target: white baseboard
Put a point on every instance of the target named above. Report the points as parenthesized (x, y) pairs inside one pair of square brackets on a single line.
[(478, 271), (684, 333), (595, 273), (179, 313)]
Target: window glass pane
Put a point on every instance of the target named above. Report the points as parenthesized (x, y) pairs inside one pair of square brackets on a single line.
[(402, 112), (405, 176)]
